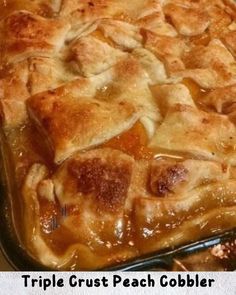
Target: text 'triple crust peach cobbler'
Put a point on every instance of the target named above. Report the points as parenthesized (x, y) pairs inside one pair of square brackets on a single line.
[(121, 120)]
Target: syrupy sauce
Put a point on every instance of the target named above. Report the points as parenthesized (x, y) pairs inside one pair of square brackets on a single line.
[(195, 90), (28, 148), (55, 235), (133, 142), (59, 238)]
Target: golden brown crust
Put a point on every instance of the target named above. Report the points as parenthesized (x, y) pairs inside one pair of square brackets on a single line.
[(163, 45), (221, 99), (208, 56), (89, 56), (87, 10), (92, 122), (199, 133), (230, 41), (109, 184), (134, 104), (27, 35), (155, 22), (187, 20), (220, 20), (125, 35), (14, 81), (165, 177), (26, 78)]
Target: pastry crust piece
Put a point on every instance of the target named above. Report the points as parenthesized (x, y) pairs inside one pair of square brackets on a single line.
[(13, 113), (209, 66), (223, 100), (187, 20), (24, 79), (93, 187), (46, 73), (90, 174), (230, 41), (89, 56), (208, 56), (169, 95), (25, 34), (182, 189), (84, 11), (172, 178), (163, 46), (14, 81), (73, 124), (201, 134), (124, 34)]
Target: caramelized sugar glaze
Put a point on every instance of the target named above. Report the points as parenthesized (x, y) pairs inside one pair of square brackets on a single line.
[(120, 118)]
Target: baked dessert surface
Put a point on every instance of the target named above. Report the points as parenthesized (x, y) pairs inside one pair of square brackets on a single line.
[(121, 121)]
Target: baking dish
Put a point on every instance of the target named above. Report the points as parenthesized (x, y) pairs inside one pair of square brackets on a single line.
[(18, 258), (141, 144)]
